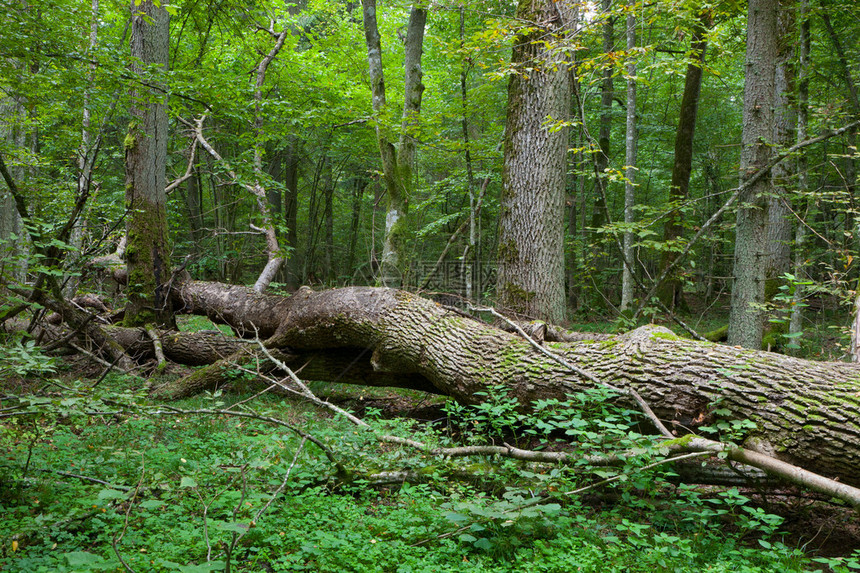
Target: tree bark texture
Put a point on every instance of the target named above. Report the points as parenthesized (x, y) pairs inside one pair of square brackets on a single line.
[(806, 413), (147, 251), (780, 219), (746, 318), (530, 277)]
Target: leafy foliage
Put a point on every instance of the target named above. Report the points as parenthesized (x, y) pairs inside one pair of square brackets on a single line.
[(90, 469)]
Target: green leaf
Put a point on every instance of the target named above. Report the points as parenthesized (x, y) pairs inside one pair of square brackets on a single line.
[(82, 558), (235, 527), (455, 517), (187, 482), (203, 567), (151, 504)]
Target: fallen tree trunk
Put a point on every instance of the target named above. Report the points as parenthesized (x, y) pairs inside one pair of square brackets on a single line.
[(806, 413)]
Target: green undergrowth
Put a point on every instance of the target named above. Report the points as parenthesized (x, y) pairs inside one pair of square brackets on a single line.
[(104, 480)]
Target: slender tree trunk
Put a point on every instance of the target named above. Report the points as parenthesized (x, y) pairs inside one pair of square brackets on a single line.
[(273, 249), (13, 260), (600, 210), (194, 204), (627, 281), (850, 169), (85, 152), (329, 274), (147, 252), (796, 322), (291, 212), (850, 154), (530, 278), (313, 217), (467, 268), (397, 164), (358, 187), (671, 291), (746, 318)]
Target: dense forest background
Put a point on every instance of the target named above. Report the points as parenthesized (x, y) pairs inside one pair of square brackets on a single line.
[(310, 124), (528, 166)]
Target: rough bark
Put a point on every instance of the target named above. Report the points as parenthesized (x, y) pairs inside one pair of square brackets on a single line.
[(746, 318), (147, 252), (806, 412), (530, 277), (780, 219)]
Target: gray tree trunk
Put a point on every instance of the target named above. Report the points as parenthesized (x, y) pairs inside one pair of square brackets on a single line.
[(530, 279), (746, 318), (780, 219), (627, 257), (274, 255), (12, 250), (147, 251), (805, 412)]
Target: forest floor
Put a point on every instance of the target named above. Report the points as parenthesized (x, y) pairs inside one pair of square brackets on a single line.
[(61, 523)]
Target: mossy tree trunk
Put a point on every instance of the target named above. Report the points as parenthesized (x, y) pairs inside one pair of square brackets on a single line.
[(530, 277), (805, 412), (147, 252), (397, 162)]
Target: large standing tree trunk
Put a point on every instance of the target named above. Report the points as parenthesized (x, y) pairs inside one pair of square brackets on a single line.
[(780, 219), (746, 318), (805, 412), (530, 277), (147, 251)]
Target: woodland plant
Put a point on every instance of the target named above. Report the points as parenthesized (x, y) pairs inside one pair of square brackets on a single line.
[(100, 478)]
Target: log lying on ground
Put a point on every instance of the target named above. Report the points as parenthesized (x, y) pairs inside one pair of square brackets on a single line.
[(807, 413)]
